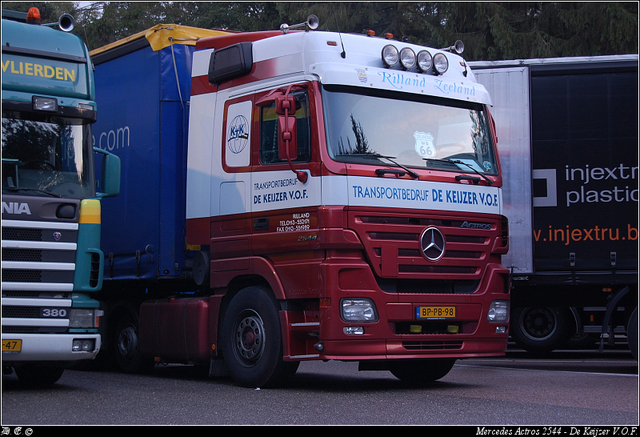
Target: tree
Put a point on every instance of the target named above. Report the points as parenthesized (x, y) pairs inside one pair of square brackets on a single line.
[(493, 31), (489, 30)]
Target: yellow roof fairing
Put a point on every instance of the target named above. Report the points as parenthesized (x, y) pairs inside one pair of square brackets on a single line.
[(160, 34)]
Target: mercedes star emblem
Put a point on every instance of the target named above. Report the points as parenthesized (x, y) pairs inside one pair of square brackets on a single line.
[(432, 243)]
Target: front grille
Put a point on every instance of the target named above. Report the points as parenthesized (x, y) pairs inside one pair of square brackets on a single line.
[(392, 245), (20, 312), (21, 255), (432, 345), (21, 275), (30, 312), (40, 253), (35, 294), (33, 275), (32, 329), (94, 274), (15, 234)]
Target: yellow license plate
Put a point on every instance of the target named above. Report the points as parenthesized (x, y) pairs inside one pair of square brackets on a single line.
[(444, 312), (11, 345)]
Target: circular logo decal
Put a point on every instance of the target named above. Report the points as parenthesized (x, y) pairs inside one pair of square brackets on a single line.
[(238, 134)]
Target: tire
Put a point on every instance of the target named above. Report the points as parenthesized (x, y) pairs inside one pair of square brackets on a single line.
[(251, 340), (37, 376), (421, 371), (126, 348), (540, 330), (632, 333)]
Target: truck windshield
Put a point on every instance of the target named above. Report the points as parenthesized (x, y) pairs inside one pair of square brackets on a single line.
[(46, 155), (413, 131)]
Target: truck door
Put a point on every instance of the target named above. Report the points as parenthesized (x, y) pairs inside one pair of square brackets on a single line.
[(230, 235), (285, 195)]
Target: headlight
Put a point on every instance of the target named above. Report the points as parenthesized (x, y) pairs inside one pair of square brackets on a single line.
[(407, 58), (83, 345), (45, 104), (390, 55), (440, 62), (358, 310), (82, 318), (498, 311)]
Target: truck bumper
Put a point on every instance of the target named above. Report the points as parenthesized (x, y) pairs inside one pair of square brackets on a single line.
[(399, 333), (18, 348), (363, 349)]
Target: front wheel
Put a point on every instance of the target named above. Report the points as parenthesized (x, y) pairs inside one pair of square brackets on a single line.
[(421, 371), (251, 340), (37, 376)]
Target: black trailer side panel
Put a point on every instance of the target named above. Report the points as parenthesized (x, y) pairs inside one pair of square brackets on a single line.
[(585, 172)]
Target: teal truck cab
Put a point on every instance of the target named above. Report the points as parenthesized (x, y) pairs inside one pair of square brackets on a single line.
[(51, 257)]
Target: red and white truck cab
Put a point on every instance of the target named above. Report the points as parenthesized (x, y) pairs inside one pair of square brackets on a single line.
[(344, 201)]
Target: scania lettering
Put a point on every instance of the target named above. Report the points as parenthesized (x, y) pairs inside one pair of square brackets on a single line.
[(299, 196), (51, 257)]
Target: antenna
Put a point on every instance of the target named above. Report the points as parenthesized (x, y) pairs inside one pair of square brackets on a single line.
[(343, 54)]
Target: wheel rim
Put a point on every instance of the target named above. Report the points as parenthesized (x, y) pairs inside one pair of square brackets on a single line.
[(249, 338), (538, 324), (128, 342)]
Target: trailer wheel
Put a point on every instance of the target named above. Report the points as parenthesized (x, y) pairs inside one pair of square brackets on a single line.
[(632, 333), (420, 371), (126, 348), (251, 340), (37, 376), (541, 329)]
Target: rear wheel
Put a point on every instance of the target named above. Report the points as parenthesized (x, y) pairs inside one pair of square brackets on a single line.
[(251, 340), (632, 333), (126, 348), (541, 329), (421, 371)]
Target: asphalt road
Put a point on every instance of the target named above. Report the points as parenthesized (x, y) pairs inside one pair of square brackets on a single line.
[(565, 388)]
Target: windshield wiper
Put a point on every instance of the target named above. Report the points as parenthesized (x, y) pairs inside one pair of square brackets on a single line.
[(457, 161), (37, 190), (411, 173)]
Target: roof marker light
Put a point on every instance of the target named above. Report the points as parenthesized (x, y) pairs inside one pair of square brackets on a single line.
[(33, 16), (390, 55)]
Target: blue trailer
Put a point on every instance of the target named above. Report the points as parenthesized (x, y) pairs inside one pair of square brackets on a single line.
[(149, 134)]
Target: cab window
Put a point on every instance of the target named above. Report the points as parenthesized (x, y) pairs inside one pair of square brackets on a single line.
[(269, 131)]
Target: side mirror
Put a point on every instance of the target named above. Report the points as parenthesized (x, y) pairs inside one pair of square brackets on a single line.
[(110, 174), (287, 138)]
